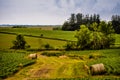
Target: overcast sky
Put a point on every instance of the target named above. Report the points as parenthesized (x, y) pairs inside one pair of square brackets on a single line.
[(53, 12)]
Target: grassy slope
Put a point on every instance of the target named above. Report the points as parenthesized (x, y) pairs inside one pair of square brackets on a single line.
[(55, 67), (35, 43), (6, 40), (67, 35)]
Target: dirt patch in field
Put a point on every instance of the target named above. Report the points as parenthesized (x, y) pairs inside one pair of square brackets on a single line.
[(42, 72)]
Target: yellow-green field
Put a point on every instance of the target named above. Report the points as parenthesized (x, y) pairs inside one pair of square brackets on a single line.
[(70, 65)]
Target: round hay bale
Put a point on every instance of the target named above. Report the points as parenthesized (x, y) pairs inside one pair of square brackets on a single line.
[(33, 56), (63, 56), (97, 69)]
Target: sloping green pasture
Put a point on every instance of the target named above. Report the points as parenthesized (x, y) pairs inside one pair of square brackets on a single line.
[(35, 43), (67, 35)]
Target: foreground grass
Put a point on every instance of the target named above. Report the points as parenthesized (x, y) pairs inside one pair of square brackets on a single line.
[(71, 66)]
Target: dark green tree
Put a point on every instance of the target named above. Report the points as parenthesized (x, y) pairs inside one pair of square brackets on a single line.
[(116, 23), (79, 18), (66, 26), (19, 43), (72, 22), (98, 19), (76, 20)]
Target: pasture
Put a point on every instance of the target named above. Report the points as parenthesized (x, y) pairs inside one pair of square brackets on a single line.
[(67, 35)]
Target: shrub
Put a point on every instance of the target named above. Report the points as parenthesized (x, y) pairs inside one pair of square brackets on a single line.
[(47, 46), (41, 35), (70, 46), (98, 38)]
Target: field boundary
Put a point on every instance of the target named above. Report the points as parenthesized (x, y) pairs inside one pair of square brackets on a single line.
[(38, 36)]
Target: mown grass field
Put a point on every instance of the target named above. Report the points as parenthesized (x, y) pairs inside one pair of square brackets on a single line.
[(71, 66)]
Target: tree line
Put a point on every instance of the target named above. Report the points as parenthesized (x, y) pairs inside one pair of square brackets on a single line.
[(74, 22)]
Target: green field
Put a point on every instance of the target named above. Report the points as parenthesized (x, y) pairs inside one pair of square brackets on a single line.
[(67, 35), (37, 43), (49, 64)]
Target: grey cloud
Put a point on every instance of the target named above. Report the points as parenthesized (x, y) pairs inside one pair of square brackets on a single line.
[(53, 11)]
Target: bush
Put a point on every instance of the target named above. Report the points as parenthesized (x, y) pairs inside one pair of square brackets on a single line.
[(47, 46), (98, 38), (70, 46), (83, 37)]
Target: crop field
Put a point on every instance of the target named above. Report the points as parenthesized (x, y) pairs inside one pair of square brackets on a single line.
[(10, 62)]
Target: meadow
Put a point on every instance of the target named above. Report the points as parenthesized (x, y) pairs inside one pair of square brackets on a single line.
[(67, 35), (51, 64)]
